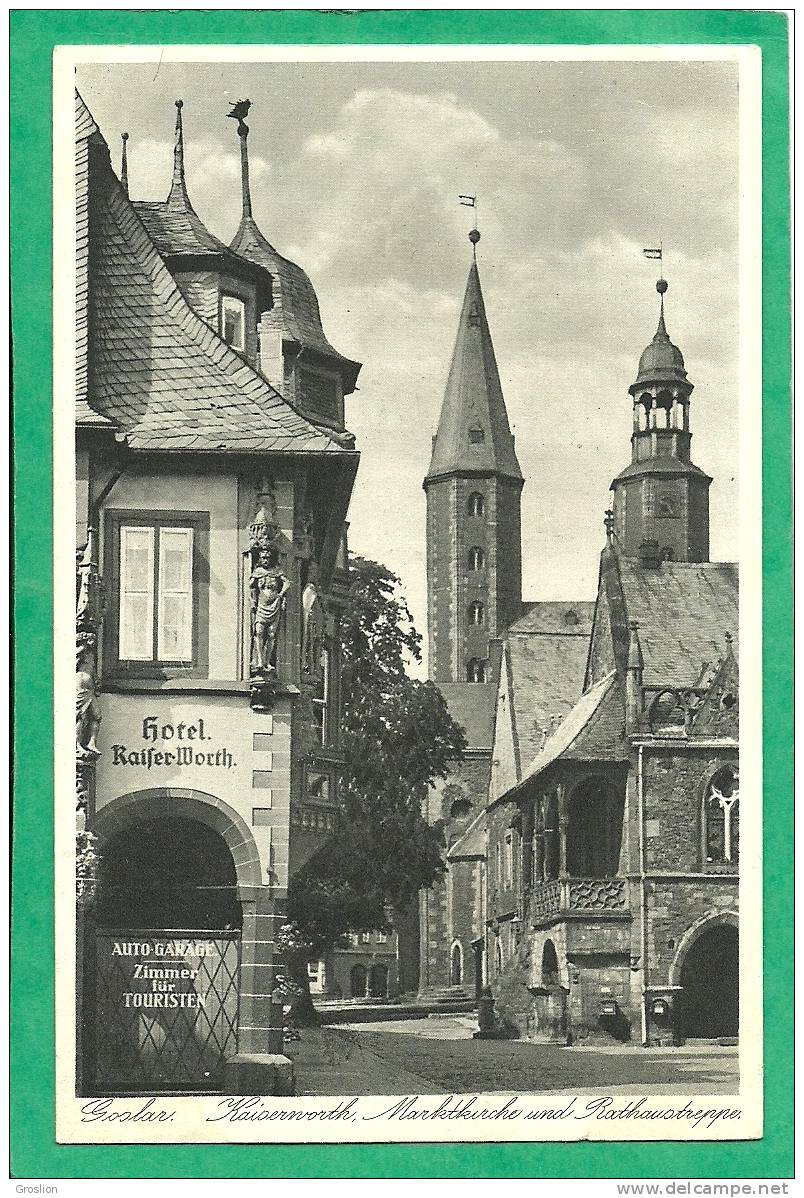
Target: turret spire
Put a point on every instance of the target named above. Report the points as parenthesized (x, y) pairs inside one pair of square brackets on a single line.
[(178, 188), (672, 522), (238, 113), (124, 162)]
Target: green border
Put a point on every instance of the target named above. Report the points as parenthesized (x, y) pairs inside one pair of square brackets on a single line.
[(34, 1151)]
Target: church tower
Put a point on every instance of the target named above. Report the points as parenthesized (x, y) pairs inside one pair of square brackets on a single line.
[(661, 500), (473, 488)]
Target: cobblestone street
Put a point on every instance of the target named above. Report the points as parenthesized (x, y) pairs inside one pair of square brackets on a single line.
[(439, 1057)]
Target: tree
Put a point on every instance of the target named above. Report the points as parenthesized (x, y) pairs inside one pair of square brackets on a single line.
[(397, 739)]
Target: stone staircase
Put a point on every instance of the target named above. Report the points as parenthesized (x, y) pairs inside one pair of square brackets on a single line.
[(450, 998)]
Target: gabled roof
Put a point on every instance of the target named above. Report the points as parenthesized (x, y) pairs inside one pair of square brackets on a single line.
[(594, 730), (295, 313), (471, 704), (473, 430), (157, 371), (546, 655), (684, 610)]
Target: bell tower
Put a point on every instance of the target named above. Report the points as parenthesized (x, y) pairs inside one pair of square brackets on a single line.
[(473, 488), (661, 500)]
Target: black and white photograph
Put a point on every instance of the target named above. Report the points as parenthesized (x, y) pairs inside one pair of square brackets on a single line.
[(416, 486)]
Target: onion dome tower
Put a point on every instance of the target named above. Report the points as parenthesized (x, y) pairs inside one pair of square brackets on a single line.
[(661, 500), (295, 354), (473, 488)]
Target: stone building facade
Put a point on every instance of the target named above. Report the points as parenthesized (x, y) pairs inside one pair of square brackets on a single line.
[(621, 917), (211, 580), (592, 865)]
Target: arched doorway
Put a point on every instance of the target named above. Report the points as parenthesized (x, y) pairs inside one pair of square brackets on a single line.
[(168, 915), (169, 873), (456, 964), (357, 981), (710, 1000), (549, 964), (378, 981)]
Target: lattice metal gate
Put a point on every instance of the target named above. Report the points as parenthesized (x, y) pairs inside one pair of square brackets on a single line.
[(166, 1009)]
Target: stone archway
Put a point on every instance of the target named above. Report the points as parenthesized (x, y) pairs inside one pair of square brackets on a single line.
[(456, 964), (178, 896), (140, 806), (706, 966)]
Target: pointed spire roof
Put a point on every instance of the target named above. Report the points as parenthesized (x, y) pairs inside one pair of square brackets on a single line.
[(473, 430)]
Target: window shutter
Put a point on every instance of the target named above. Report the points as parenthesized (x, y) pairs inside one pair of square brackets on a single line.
[(175, 594), (136, 631)]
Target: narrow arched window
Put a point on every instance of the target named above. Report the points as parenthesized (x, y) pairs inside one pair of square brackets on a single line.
[(476, 670), (476, 505), (476, 613), (721, 818), (477, 558)]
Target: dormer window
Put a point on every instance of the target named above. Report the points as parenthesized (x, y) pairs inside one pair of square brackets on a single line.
[(233, 322)]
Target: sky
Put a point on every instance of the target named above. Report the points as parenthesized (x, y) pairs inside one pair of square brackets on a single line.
[(356, 170)]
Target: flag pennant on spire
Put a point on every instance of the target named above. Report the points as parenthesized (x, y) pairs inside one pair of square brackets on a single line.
[(653, 253), (468, 201)]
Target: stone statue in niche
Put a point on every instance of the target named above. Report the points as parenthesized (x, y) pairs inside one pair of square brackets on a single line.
[(268, 587), (87, 704), (89, 614)]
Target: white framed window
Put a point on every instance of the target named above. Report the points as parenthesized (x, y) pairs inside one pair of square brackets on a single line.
[(382, 937), (321, 698), (136, 593), (175, 618), (160, 592), (233, 322), (509, 860)]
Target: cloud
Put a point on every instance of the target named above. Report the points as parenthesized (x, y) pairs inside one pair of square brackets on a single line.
[(212, 174), (577, 167)]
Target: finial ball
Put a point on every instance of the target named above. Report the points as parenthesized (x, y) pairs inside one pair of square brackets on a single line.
[(180, 103), (474, 236), (661, 286)]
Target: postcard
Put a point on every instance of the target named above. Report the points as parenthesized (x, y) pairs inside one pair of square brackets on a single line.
[(408, 534)]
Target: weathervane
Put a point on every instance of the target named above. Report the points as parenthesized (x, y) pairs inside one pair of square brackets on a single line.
[(474, 235)]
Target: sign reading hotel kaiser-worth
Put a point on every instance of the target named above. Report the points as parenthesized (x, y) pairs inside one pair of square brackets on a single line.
[(162, 744)]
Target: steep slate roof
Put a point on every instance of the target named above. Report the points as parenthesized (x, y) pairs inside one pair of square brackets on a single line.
[(473, 398), (546, 655), (684, 610), (158, 371), (471, 704), (593, 731), (295, 314)]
